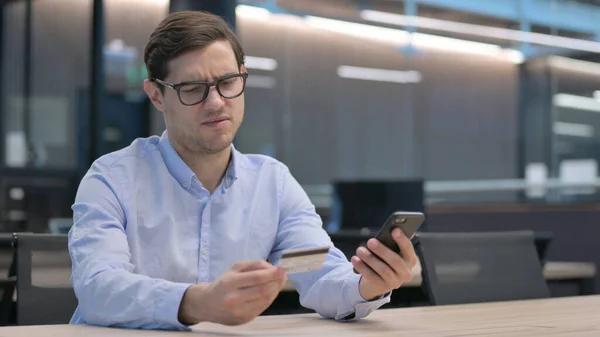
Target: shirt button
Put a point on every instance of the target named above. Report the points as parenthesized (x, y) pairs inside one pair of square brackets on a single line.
[(204, 251)]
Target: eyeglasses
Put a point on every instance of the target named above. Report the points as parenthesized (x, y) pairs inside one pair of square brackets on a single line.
[(194, 92)]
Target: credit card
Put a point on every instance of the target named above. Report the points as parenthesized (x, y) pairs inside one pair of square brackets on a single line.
[(303, 259)]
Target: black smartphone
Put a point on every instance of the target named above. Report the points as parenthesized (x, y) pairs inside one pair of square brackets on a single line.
[(408, 222)]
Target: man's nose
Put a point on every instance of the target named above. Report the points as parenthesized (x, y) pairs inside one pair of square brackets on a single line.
[(214, 101)]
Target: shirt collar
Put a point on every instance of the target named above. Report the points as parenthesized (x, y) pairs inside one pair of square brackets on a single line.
[(182, 173), (232, 168)]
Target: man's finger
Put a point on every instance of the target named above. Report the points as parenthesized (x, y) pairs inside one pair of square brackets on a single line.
[(387, 255), (256, 277), (258, 306), (261, 291), (255, 306), (251, 265), (381, 268), (361, 267), (406, 248)]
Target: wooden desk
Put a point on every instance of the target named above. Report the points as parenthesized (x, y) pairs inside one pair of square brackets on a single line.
[(570, 316), (553, 271)]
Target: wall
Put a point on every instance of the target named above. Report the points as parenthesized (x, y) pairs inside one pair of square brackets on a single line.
[(460, 122), (59, 64)]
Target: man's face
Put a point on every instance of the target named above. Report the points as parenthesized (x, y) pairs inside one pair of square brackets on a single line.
[(208, 127)]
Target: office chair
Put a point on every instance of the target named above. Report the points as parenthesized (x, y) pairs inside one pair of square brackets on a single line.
[(480, 267), (366, 204), (542, 240), (44, 292), (7, 279)]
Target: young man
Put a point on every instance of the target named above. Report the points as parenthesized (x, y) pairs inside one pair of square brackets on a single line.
[(176, 230)]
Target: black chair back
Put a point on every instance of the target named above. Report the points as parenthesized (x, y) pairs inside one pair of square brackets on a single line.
[(44, 291), (480, 267), (7, 279), (542, 240)]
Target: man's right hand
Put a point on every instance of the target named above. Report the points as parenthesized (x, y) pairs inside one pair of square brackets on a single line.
[(237, 297)]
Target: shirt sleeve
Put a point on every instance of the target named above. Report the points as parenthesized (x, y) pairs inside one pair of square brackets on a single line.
[(108, 290), (332, 291)]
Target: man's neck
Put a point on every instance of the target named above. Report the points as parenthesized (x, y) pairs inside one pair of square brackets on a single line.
[(209, 168)]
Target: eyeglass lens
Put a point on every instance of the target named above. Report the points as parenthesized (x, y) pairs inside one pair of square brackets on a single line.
[(194, 93)]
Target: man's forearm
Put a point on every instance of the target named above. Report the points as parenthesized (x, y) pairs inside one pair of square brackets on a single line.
[(336, 293), (117, 297)]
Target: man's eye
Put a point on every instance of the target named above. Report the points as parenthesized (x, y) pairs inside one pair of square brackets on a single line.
[(191, 88)]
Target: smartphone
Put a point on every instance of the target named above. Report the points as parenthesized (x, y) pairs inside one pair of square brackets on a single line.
[(408, 222)]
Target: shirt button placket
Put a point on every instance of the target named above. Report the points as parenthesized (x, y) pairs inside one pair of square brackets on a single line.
[(204, 244)]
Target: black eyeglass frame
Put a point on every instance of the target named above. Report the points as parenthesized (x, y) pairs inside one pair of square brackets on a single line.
[(208, 85)]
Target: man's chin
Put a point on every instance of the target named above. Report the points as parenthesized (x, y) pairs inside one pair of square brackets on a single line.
[(216, 146)]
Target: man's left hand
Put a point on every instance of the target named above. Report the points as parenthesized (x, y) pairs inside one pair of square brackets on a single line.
[(381, 268)]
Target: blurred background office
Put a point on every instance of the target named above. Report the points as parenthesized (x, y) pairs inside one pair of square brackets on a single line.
[(482, 114)]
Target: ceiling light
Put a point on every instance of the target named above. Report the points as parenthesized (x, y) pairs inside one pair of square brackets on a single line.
[(359, 30), (394, 36), (381, 75), (263, 82), (573, 129), (401, 37), (480, 30), (252, 12), (514, 56), (576, 102), (261, 63), (574, 65), (445, 43)]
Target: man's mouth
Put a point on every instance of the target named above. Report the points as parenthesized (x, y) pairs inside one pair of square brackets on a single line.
[(216, 122)]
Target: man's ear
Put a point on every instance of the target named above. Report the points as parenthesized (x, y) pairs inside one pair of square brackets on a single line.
[(243, 68), (154, 94)]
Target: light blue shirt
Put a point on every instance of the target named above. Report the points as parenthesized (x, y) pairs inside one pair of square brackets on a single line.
[(145, 230)]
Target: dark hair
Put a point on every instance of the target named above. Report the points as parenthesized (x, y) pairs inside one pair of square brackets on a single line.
[(184, 31)]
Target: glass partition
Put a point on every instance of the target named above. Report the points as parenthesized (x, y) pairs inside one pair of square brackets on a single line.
[(45, 69), (484, 107)]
